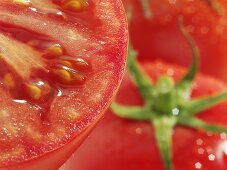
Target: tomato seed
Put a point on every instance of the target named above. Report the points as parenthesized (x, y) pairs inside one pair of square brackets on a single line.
[(54, 50), (78, 63), (34, 92), (8, 80), (77, 78), (74, 5), (66, 63), (66, 76), (22, 2), (62, 75)]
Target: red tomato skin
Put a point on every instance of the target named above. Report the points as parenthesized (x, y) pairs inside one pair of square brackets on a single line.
[(159, 37), (130, 145), (54, 159)]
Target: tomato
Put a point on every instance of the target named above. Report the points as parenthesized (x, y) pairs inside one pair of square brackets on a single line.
[(158, 37), (61, 62), (125, 144)]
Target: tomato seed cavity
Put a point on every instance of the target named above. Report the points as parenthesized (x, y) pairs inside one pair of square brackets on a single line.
[(59, 71)]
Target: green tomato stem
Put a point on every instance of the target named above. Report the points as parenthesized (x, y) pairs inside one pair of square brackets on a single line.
[(185, 83), (163, 127), (135, 113), (165, 95), (197, 105), (139, 77), (196, 123)]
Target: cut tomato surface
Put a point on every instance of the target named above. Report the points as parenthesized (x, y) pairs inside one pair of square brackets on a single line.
[(131, 145), (61, 61), (155, 35)]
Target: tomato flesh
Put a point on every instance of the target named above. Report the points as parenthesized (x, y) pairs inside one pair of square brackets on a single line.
[(130, 145), (58, 73)]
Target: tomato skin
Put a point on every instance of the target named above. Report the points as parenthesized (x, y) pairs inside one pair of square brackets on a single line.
[(160, 38), (123, 144), (53, 155)]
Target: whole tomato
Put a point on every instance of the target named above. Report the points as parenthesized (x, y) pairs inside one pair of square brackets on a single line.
[(124, 144)]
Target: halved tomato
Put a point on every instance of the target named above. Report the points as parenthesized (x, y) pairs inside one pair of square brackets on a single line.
[(61, 61)]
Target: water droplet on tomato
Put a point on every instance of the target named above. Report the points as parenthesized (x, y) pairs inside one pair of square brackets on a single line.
[(201, 151), (139, 131), (198, 165), (199, 141), (211, 157), (175, 112)]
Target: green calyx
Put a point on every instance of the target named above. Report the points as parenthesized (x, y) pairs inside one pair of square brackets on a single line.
[(164, 95), (167, 104)]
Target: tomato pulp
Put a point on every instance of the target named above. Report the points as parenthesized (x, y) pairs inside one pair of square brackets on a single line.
[(61, 62)]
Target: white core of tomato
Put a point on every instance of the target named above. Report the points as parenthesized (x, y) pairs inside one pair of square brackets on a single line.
[(19, 55)]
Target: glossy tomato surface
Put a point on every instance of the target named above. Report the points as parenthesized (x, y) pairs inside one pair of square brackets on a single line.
[(61, 62), (158, 37), (123, 144)]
